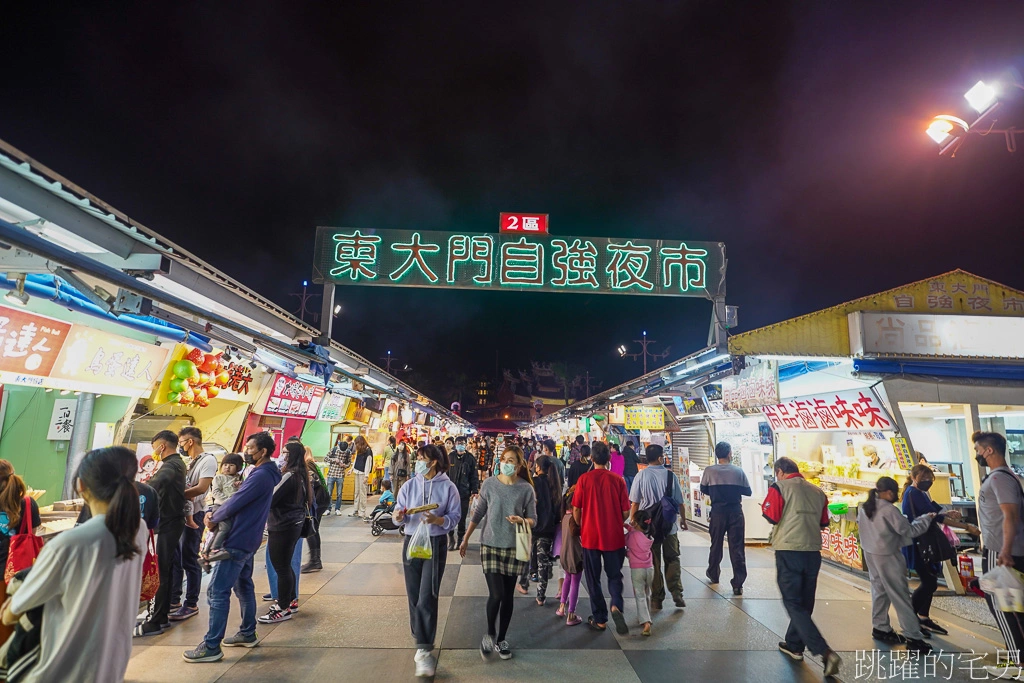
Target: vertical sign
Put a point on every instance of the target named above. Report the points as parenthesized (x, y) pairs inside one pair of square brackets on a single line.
[(62, 420)]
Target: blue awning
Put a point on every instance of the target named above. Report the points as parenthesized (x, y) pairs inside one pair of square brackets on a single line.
[(940, 369)]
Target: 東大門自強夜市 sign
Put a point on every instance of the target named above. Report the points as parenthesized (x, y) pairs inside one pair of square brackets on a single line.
[(540, 263)]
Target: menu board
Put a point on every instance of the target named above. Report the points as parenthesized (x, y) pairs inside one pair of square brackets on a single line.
[(293, 398)]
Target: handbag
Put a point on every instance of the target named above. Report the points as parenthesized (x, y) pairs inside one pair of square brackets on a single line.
[(150, 572), (25, 545), (932, 546), (524, 541)]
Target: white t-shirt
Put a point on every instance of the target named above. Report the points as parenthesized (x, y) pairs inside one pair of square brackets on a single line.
[(205, 467), (90, 600)]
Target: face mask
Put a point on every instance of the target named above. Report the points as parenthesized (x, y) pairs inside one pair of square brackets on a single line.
[(249, 458), (925, 485), (508, 468), (422, 467), (461, 448), (981, 461)]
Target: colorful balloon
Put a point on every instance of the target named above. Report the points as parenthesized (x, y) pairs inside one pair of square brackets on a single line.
[(209, 363), (223, 377), (185, 369), (177, 385), (212, 391), (173, 397), (196, 356)]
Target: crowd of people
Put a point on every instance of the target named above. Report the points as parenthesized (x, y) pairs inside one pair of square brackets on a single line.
[(538, 506)]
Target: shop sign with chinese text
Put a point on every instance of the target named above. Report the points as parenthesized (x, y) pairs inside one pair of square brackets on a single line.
[(62, 419), (947, 336), (856, 410), (840, 542), (756, 386), (97, 358), (293, 398), (530, 223), (523, 261), (29, 343), (645, 417), (332, 408)]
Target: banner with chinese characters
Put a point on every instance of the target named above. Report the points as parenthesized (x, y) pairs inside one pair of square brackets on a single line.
[(856, 410), (30, 343), (62, 419), (946, 336), (755, 386), (645, 417), (293, 398), (904, 458), (101, 358), (524, 262), (332, 408), (840, 542)]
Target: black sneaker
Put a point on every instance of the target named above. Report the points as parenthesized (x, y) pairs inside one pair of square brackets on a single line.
[(294, 607), (737, 590), (267, 597), (504, 650), (831, 662), (932, 626), (918, 646), (790, 652), (239, 640), (203, 654), (487, 647), (888, 637), (678, 599)]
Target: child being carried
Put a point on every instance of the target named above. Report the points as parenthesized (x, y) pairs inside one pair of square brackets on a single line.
[(225, 484)]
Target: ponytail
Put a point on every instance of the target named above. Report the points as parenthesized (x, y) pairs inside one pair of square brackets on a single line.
[(870, 506), (103, 474), (12, 493)]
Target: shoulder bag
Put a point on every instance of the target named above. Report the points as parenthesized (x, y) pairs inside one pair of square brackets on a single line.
[(932, 546), (150, 572), (24, 545)]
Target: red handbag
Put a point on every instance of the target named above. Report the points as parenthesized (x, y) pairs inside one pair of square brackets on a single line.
[(150, 572), (25, 545)]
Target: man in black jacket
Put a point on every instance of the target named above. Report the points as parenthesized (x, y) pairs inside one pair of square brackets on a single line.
[(169, 484), (466, 479), (632, 464)]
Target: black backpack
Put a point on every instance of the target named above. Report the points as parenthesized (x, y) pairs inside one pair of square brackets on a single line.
[(657, 521)]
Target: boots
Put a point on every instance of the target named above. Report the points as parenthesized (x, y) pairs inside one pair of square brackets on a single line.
[(451, 540), (314, 564)]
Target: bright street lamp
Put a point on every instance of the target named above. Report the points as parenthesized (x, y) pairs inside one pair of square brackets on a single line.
[(950, 132), (943, 126), (981, 96)]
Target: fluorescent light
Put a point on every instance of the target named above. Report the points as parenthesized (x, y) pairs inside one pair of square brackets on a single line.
[(802, 359), (981, 96), (950, 417), (370, 380), (913, 408), (612, 398), (704, 363), (66, 239)]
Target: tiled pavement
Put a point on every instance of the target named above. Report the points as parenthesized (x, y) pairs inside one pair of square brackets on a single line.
[(353, 626)]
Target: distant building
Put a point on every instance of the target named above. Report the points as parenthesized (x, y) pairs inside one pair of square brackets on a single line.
[(525, 395)]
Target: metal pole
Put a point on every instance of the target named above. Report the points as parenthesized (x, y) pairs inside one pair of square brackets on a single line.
[(326, 315), (79, 443)]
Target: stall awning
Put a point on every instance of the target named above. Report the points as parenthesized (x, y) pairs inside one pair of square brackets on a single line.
[(971, 370)]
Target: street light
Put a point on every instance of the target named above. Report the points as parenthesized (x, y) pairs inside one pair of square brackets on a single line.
[(981, 96), (950, 132)]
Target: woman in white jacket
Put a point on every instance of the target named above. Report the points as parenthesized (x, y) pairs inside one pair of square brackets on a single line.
[(883, 532)]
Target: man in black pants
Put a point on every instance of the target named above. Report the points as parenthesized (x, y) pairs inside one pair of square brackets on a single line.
[(726, 484), (169, 484), (463, 473)]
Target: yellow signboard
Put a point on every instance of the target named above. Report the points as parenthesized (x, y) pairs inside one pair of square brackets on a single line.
[(645, 417), (902, 450)]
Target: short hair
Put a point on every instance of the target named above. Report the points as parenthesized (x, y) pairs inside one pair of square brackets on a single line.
[(654, 453), (438, 455), (386, 484), (233, 459), (193, 433), (264, 441), (460, 439), (549, 444), (993, 440), (786, 466), (584, 451), (293, 437), (723, 451), (600, 453), (166, 435), (580, 439)]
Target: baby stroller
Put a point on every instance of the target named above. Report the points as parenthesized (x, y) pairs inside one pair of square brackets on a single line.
[(381, 520)]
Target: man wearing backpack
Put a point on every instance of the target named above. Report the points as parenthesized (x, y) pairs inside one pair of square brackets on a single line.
[(726, 484), (657, 500)]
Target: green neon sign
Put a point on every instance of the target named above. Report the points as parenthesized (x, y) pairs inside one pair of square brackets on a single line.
[(545, 263)]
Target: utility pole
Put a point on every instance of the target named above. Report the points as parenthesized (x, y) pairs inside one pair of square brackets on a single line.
[(586, 379), (304, 298), (644, 353), (389, 359)]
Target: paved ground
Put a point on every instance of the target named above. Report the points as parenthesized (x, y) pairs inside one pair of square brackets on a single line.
[(353, 626)]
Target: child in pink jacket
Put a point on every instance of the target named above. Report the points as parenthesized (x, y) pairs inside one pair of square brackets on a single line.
[(641, 570)]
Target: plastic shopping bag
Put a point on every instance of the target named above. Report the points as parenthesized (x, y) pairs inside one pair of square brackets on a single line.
[(1006, 586), (419, 545), (954, 540)]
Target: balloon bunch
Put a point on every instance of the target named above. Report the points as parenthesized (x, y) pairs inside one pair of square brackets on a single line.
[(198, 377)]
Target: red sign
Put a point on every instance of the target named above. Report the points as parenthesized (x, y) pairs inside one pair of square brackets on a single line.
[(533, 223), (29, 343), (851, 411), (293, 398)]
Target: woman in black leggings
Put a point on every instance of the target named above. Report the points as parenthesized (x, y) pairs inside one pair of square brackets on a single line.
[(505, 501), (284, 528)]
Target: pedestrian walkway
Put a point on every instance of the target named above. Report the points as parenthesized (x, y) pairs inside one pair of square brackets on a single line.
[(353, 625)]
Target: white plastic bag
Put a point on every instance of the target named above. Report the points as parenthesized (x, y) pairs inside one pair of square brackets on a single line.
[(419, 544), (1006, 586)]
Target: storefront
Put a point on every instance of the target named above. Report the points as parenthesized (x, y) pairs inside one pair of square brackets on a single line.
[(67, 387), (284, 407)]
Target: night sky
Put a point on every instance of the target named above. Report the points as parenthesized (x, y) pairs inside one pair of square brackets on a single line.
[(793, 132)]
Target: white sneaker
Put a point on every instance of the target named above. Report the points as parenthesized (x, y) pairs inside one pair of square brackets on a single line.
[(337, 513), (425, 664)]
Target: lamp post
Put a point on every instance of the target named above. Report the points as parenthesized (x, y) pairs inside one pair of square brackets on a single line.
[(989, 100), (644, 353)]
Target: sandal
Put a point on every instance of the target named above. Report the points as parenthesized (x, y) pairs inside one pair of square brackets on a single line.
[(560, 612), (646, 631), (573, 620), (540, 602), (146, 629), (596, 626)]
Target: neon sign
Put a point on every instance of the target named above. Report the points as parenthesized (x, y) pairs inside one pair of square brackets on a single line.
[(518, 261)]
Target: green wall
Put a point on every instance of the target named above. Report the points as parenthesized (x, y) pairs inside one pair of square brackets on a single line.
[(317, 435), (41, 463)]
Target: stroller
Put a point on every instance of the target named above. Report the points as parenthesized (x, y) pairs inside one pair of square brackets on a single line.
[(381, 520)]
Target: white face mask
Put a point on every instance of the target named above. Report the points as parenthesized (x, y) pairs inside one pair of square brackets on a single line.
[(422, 467), (508, 468)]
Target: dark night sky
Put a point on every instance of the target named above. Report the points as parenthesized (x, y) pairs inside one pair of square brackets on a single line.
[(793, 132)]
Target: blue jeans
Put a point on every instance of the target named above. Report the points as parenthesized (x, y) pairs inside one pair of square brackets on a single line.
[(227, 574), (296, 565), (331, 481)]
